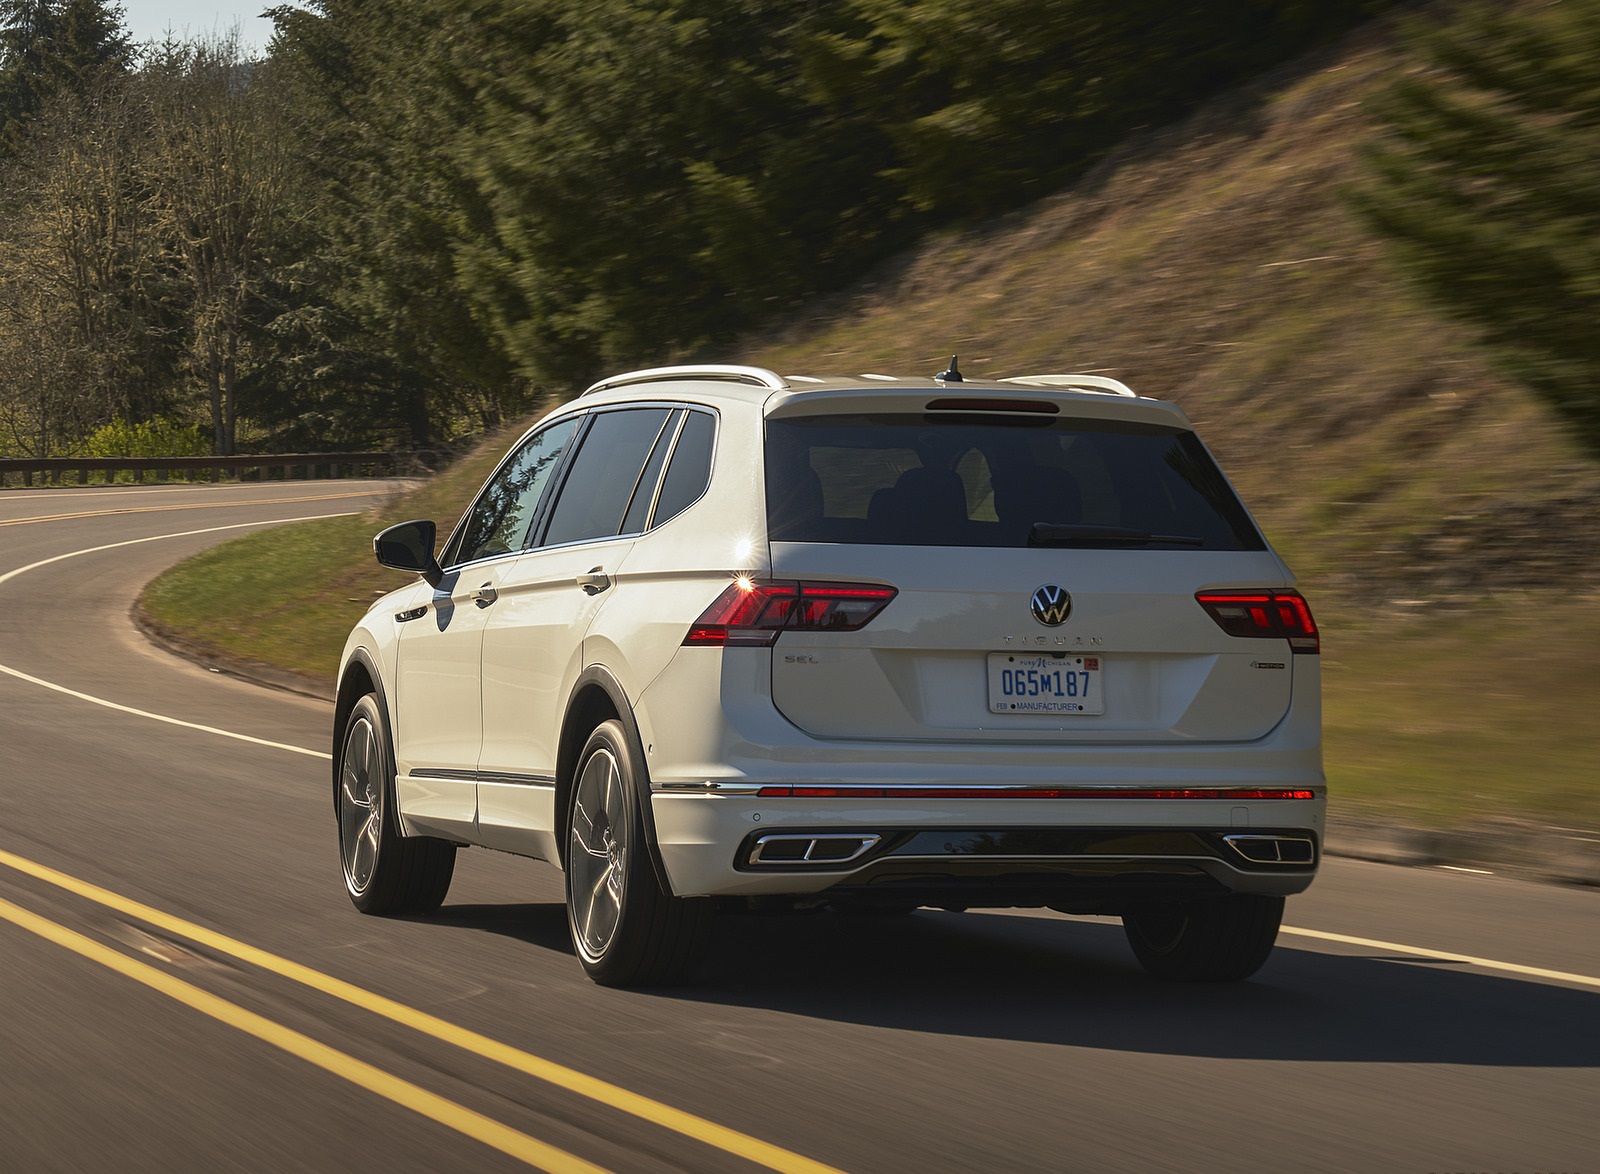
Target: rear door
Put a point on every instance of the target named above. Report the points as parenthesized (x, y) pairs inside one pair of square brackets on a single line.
[(533, 646)]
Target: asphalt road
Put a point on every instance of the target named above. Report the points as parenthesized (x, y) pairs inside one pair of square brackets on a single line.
[(184, 985)]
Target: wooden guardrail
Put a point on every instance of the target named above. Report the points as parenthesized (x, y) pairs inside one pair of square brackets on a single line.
[(293, 466)]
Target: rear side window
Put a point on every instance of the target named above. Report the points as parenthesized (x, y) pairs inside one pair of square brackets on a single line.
[(913, 480), (690, 471), (609, 464)]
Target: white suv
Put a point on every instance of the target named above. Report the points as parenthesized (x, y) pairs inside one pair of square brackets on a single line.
[(713, 634)]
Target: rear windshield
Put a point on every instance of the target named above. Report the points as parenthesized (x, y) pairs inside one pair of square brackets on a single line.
[(915, 480)]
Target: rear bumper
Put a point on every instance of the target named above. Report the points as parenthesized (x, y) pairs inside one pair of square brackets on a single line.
[(1027, 824), (1079, 855)]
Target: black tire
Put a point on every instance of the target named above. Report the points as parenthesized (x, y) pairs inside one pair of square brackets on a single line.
[(1216, 939), (627, 930), (385, 873)]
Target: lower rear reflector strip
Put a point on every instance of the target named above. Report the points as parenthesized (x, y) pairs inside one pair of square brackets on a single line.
[(1033, 793)]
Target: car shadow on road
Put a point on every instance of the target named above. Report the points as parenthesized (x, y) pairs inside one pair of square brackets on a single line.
[(542, 924), (1051, 980)]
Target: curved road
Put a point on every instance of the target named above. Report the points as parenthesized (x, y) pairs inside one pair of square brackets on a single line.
[(184, 986)]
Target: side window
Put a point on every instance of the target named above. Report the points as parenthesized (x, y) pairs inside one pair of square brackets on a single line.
[(500, 518), (639, 508), (608, 467), (690, 471)]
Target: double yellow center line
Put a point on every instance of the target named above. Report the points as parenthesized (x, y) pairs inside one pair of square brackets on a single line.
[(419, 1100)]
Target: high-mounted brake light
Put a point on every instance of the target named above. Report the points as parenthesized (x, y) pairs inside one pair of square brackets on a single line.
[(1282, 615), (756, 612), (994, 404)]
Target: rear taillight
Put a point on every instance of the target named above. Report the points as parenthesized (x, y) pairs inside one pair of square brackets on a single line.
[(755, 612), (1282, 615)]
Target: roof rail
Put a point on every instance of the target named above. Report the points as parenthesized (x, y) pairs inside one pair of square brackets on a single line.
[(756, 376), (1086, 382)]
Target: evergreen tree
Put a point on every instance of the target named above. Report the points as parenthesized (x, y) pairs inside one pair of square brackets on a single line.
[(50, 46), (1487, 186), (660, 177), (992, 103), (396, 330)]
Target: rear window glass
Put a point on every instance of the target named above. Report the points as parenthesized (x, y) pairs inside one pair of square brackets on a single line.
[(914, 480)]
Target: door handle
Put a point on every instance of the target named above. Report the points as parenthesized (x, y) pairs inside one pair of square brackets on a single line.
[(484, 595), (594, 582)]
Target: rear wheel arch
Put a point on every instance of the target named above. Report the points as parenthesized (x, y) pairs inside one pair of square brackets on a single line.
[(597, 697)]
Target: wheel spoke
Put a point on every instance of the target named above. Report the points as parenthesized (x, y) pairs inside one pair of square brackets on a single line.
[(611, 793), (364, 855), (366, 752), (594, 906), (357, 764), (579, 837)]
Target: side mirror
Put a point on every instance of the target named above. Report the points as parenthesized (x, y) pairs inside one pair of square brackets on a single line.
[(409, 547)]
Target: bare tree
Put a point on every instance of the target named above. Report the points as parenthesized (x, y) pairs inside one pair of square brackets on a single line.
[(80, 273), (219, 172)]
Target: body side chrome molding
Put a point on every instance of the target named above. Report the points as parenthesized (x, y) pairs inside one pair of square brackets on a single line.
[(487, 776)]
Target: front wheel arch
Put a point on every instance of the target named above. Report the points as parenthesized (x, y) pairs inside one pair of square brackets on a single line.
[(359, 678)]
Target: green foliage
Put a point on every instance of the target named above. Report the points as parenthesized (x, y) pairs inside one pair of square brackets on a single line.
[(1487, 187), (385, 336), (49, 47), (659, 178), (660, 175), (991, 103), (161, 437)]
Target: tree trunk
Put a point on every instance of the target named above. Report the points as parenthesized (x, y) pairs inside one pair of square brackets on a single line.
[(219, 435), (230, 393)]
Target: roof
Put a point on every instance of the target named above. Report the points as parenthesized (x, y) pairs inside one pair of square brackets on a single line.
[(762, 378), (810, 394)]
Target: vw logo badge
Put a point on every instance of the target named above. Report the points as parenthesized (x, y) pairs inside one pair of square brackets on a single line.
[(1051, 605)]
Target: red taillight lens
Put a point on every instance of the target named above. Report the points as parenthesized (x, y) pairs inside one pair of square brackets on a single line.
[(755, 612), (790, 791), (1282, 615)]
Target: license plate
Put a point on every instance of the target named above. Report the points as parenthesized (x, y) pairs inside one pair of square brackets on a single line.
[(1021, 682)]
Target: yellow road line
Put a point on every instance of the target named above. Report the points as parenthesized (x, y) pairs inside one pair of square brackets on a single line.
[(613, 1096), (198, 505), (1443, 956), (402, 1092)]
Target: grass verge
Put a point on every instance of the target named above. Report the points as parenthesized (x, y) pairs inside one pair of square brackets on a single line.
[(1455, 721)]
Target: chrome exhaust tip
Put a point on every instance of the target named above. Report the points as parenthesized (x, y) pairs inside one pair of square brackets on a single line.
[(786, 850), (1297, 851)]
